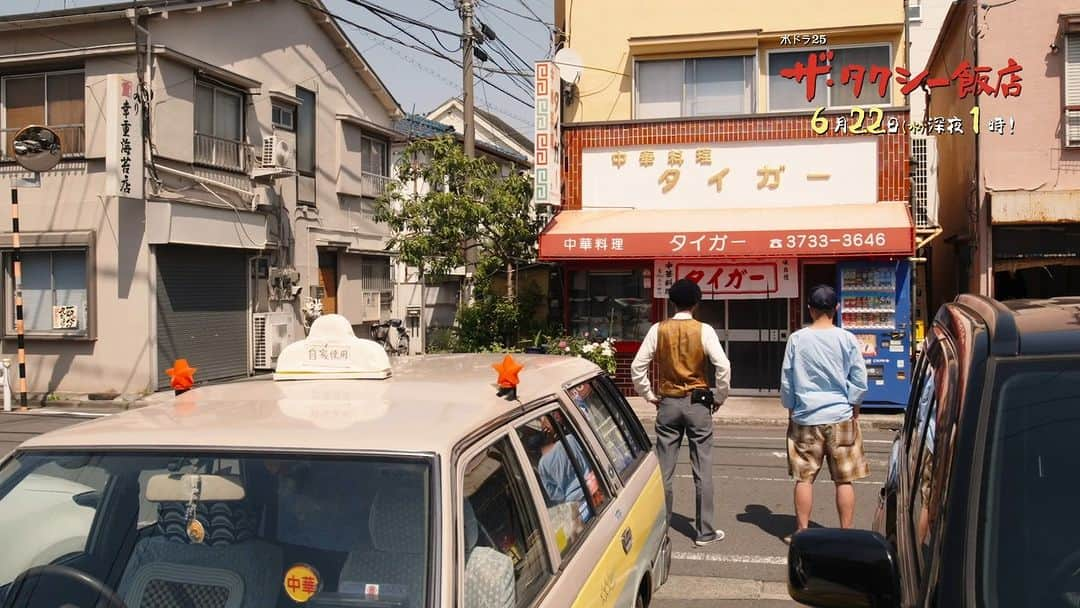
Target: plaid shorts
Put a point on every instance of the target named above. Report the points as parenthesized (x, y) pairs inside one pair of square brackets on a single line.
[(841, 442)]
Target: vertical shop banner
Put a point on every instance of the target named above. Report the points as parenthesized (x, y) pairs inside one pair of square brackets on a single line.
[(734, 280), (124, 149), (547, 169)]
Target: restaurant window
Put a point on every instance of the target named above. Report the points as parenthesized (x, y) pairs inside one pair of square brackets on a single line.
[(695, 87), (787, 94), (54, 290), (305, 132), (55, 99), (219, 127), (283, 116), (609, 304)]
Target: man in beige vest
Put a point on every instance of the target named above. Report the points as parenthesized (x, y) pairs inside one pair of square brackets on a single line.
[(680, 346)]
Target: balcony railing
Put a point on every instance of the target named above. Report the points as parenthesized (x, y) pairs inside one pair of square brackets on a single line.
[(72, 140), (221, 153), (373, 185)]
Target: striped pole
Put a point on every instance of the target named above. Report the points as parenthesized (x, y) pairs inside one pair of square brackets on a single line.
[(16, 260)]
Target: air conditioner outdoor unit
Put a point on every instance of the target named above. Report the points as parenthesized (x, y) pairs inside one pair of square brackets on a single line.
[(276, 158), (272, 333)]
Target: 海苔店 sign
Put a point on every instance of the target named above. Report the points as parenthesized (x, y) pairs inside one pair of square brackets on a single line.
[(124, 148), (736, 279), (703, 176)]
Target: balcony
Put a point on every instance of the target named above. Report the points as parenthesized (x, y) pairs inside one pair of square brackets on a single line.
[(373, 185), (72, 141), (225, 154)]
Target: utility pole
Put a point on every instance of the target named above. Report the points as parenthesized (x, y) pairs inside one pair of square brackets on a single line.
[(466, 8)]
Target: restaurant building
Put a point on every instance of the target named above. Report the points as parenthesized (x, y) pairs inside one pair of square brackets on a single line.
[(683, 150)]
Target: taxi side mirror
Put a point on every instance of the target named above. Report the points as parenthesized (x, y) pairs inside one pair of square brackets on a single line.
[(830, 568)]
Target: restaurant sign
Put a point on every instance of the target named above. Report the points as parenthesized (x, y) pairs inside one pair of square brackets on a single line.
[(547, 168), (731, 280), (706, 176)]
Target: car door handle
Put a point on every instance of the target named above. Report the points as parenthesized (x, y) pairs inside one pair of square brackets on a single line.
[(627, 540)]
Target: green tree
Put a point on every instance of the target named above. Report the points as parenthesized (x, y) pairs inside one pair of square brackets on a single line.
[(445, 204)]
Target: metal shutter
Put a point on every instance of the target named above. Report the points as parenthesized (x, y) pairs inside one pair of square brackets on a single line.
[(202, 311), (1072, 89)]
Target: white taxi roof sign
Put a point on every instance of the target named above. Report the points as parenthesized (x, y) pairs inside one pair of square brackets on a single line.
[(332, 351)]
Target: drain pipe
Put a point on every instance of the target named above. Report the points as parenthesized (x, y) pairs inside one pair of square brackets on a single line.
[(133, 17)]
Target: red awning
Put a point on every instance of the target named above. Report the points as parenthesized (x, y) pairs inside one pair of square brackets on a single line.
[(878, 229)]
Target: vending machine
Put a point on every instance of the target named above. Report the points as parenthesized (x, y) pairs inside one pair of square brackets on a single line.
[(875, 305)]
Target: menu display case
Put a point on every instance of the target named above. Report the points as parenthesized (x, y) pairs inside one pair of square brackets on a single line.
[(875, 305)]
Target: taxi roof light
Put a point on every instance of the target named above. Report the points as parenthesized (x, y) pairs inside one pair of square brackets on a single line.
[(332, 351)]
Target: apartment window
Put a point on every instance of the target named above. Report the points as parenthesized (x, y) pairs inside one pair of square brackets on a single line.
[(695, 87), (54, 288), (787, 94), (283, 116), (219, 127), (373, 156), (54, 99), (1072, 90), (914, 10), (305, 132)]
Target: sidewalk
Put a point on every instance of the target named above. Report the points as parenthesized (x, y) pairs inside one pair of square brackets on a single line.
[(766, 411)]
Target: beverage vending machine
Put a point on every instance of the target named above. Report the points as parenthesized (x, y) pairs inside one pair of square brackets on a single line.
[(875, 305)]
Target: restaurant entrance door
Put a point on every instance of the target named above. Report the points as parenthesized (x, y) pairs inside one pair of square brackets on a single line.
[(754, 334)]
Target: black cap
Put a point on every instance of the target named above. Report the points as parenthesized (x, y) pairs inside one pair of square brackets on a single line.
[(822, 297), (684, 294)]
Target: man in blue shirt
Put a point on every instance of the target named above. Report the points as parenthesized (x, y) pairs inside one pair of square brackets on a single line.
[(822, 384)]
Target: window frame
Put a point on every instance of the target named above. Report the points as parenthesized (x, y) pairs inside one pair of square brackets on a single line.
[(1067, 108), (216, 88), (300, 92), (951, 366), (753, 57), (365, 138), (40, 243), (45, 110), (532, 488), (828, 105), (283, 107)]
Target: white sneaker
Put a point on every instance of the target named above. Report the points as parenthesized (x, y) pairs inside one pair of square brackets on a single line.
[(716, 536)]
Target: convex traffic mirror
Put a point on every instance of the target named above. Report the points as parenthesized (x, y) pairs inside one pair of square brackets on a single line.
[(37, 148)]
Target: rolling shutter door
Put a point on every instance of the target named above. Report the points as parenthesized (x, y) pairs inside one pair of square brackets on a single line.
[(202, 311)]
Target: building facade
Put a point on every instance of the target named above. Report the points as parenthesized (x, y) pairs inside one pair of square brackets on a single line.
[(1010, 194), (215, 191), (689, 147)]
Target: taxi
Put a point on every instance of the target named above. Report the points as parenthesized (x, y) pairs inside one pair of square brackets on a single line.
[(450, 480)]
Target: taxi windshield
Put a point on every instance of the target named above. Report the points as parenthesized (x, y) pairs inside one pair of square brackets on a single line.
[(215, 529)]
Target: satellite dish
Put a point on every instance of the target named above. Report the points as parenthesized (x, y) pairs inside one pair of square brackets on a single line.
[(36, 148), (570, 65)]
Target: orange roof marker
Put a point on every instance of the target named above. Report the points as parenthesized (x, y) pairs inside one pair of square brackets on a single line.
[(508, 377), (182, 374)]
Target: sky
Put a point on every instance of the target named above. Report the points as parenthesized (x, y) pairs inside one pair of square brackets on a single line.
[(420, 81)]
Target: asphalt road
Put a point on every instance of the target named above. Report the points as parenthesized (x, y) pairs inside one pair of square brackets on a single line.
[(754, 508), (747, 568)]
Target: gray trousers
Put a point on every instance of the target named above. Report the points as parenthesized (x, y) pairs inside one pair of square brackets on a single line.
[(676, 417)]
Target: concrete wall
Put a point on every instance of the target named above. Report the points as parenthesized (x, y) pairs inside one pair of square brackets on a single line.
[(286, 49), (922, 34), (599, 31)]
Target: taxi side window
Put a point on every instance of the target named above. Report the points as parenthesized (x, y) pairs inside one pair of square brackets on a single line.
[(617, 436), (573, 492), (505, 561)]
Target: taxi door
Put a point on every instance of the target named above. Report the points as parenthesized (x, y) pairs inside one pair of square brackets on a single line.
[(617, 564)]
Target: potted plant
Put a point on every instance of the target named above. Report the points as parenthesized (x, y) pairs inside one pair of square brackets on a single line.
[(599, 351), (537, 347)]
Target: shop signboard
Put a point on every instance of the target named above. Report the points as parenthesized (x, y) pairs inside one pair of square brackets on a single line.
[(731, 279), (709, 176)]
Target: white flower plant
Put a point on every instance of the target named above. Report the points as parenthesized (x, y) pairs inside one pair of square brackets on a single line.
[(600, 351)]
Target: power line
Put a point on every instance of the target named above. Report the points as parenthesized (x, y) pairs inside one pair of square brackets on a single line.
[(449, 8), (516, 30), (378, 10), (532, 16)]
